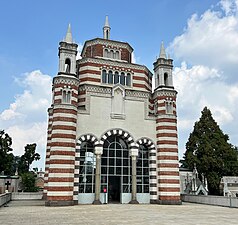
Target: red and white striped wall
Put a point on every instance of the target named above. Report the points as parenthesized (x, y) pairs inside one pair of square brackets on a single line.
[(47, 158), (167, 154), (90, 72), (62, 146)]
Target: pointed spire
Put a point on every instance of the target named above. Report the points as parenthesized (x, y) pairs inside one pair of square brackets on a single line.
[(68, 37), (106, 22), (162, 53), (106, 29)]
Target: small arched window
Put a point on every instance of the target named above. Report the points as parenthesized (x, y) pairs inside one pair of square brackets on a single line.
[(66, 96), (110, 77), (111, 53), (169, 107), (128, 79), (166, 79), (104, 76), (116, 78), (105, 53), (117, 54), (122, 80), (67, 65), (107, 34)]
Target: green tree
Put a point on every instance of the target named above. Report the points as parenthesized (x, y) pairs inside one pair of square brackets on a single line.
[(28, 182), (6, 157), (208, 148), (27, 158)]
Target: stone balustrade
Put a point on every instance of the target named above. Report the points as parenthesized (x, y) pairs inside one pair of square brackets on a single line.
[(5, 198), (211, 200)]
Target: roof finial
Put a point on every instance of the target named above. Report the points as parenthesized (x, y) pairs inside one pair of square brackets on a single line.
[(106, 22), (162, 53), (68, 37), (106, 29)]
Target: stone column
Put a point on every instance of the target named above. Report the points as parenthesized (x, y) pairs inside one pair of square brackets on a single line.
[(134, 154), (98, 152)]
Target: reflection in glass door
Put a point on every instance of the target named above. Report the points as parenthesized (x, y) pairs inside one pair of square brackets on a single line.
[(115, 168)]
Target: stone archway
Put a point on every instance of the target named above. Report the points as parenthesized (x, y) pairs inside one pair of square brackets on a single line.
[(150, 147), (91, 142), (124, 142)]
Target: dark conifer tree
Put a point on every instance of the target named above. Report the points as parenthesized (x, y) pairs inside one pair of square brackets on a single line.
[(209, 149)]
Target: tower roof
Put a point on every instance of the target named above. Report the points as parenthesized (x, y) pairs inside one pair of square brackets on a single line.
[(106, 22), (162, 53), (106, 29), (68, 37)]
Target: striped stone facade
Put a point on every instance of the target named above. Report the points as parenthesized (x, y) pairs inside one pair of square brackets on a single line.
[(88, 107), (61, 162), (167, 150)]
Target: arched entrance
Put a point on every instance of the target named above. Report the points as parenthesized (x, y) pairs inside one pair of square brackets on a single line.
[(116, 170)]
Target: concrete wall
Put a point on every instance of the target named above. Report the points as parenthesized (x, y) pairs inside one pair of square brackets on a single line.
[(211, 200), (5, 198), (27, 196)]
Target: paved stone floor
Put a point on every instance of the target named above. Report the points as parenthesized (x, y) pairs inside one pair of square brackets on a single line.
[(34, 213)]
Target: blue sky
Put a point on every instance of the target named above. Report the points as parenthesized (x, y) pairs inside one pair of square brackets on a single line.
[(200, 35)]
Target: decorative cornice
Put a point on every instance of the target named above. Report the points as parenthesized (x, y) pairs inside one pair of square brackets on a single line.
[(137, 94), (165, 92), (64, 79), (115, 64), (107, 91)]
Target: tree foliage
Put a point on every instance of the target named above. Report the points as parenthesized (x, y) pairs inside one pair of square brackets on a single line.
[(27, 158), (6, 156), (28, 182), (208, 148)]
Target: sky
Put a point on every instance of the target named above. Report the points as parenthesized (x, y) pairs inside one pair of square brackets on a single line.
[(200, 35)]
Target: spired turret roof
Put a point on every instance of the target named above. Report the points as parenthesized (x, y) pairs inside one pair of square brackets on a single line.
[(162, 53), (68, 37), (106, 22)]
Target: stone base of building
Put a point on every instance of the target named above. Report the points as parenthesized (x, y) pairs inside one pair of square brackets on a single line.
[(153, 201), (76, 202), (97, 202), (59, 203), (133, 202), (44, 196), (169, 202)]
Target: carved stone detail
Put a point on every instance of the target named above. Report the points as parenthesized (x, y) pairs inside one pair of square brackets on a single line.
[(66, 80), (169, 93), (115, 64), (107, 43)]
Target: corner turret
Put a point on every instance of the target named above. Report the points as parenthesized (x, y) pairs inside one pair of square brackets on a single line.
[(163, 70), (67, 54)]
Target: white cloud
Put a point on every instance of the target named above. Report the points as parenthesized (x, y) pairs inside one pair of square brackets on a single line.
[(201, 86), (209, 46), (28, 134), (26, 118), (80, 48), (133, 57), (211, 39), (229, 6)]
